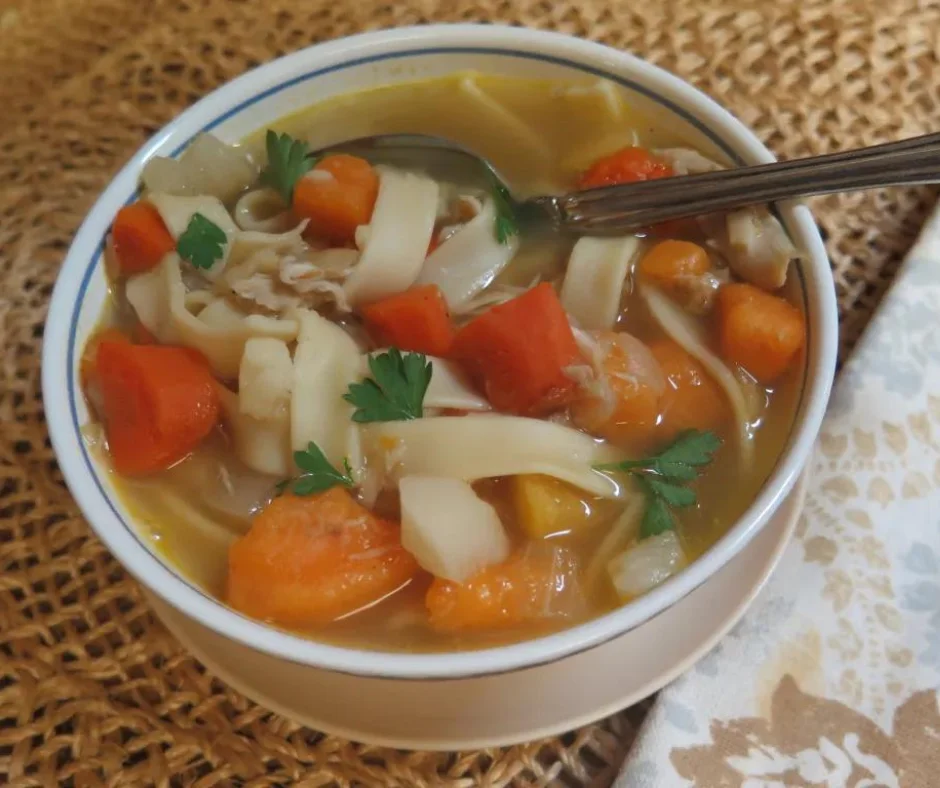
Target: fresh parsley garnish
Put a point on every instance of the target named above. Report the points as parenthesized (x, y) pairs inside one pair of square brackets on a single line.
[(202, 242), (663, 477), (288, 161), (396, 390), (506, 223), (318, 474)]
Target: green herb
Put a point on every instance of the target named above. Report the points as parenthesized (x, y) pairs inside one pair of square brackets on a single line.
[(318, 474), (506, 224), (202, 242), (396, 390), (288, 161), (663, 476)]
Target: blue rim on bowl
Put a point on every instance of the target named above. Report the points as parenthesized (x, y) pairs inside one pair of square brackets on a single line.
[(83, 264)]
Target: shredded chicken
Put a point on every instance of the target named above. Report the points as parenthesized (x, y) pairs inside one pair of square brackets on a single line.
[(760, 251), (261, 290), (696, 293)]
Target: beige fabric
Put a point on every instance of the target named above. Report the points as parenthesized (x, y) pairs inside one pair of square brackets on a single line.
[(93, 691)]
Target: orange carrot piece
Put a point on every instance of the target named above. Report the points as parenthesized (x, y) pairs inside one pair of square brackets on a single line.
[(692, 399), (417, 319), (671, 262), (519, 352), (624, 406), (140, 238), (625, 166), (159, 403), (338, 204), (524, 589), (87, 366), (761, 332), (310, 560)]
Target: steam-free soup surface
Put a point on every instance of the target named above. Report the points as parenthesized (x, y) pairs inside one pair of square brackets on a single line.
[(232, 391)]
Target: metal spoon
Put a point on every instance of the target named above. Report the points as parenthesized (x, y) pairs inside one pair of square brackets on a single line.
[(614, 210)]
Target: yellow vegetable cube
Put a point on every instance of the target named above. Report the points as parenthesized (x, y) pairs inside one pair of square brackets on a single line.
[(546, 506)]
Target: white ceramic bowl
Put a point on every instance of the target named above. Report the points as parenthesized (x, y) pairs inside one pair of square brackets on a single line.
[(351, 64)]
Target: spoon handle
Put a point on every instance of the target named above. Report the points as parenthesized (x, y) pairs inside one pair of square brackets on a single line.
[(628, 207)]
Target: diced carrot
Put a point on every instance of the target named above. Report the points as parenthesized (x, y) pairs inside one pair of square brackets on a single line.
[(625, 166), (88, 363), (519, 352), (670, 263), (417, 319), (525, 589), (761, 332), (692, 399), (624, 405), (140, 238), (310, 560), (159, 402), (337, 197)]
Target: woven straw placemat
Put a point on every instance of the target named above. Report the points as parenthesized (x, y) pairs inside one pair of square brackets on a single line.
[(93, 690)]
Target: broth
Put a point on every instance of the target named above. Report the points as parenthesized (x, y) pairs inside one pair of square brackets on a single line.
[(182, 509)]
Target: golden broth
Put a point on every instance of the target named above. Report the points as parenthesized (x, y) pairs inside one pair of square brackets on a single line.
[(573, 129)]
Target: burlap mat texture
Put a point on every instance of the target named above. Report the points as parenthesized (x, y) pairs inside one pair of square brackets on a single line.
[(93, 690)]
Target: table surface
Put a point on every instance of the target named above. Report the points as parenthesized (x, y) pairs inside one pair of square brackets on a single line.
[(93, 690)]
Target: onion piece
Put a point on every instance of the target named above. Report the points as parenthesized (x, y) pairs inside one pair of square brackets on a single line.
[(479, 446), (646, 565), (597, 271), (468, 261), (449, 386), (621, 532), (686, 332), (687, 161), (208, 166), (398, 237), (449, 530)]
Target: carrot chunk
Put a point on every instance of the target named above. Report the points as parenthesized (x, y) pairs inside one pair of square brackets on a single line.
[(622, 404), (525, 589), (310, 560), (625, 166), (761, 332), (670, 263), (159, 402), (337, 196), (417, 319), (140, 238), (692, 399), (519, 351)]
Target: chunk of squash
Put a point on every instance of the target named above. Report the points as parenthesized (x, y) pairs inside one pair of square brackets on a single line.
[(546, 506)]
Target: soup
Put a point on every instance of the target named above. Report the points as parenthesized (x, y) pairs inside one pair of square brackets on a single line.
[(357, 400)]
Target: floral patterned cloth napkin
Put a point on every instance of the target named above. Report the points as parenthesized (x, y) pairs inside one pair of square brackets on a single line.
[(831, 678)]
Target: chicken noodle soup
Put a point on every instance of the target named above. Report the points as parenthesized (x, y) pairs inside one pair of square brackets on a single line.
[(355, 400)]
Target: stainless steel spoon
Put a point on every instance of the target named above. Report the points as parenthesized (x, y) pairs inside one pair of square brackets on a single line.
[(613, 210)]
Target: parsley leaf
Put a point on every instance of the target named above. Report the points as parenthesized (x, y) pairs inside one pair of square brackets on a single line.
[(656, 519), (318, 474), (288, 161), (396, 390), (506, 223), (662, 477), (202, 242)]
